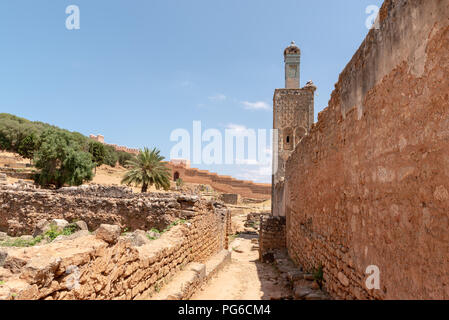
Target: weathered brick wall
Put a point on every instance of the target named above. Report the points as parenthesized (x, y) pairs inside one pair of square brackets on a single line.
[(272, 236), (369, 184), (110, 271)]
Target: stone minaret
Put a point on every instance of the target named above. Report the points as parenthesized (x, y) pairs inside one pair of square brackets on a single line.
[(292, 57), (293, 115)]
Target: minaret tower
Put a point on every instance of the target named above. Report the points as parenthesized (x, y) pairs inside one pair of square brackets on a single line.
[(292, 57), (293, 116)]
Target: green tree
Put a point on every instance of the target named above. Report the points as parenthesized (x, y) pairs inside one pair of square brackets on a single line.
[(5, 143), (98, 152), (61, 160), (124, 158), (77, 168), (147, 169), (28, 146), (111, 156)]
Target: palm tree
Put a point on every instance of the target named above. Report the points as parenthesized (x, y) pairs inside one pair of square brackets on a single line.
[(147, 169)]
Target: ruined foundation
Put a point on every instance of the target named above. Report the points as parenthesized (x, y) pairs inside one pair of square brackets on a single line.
[(107, 265)]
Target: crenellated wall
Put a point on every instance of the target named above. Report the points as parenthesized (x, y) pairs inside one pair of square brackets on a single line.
[(369, 185)]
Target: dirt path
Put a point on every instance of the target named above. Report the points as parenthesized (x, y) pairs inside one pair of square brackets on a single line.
[(245, 278)]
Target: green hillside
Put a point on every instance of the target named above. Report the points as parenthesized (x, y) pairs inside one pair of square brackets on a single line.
[(63, 157)]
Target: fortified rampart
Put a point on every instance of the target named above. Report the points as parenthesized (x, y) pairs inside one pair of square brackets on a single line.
[(100, 139), (369, 184), (225, 184)]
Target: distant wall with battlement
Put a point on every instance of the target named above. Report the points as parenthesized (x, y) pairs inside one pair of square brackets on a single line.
[(100, 139), (180, 168), (225, 184)]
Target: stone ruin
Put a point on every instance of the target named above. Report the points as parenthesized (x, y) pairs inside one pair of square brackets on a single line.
[(122, 245)]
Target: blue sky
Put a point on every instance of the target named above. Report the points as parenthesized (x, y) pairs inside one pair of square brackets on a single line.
[(136, 70)]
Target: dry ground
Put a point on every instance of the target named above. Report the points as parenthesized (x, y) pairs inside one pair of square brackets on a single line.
[(245, 278)]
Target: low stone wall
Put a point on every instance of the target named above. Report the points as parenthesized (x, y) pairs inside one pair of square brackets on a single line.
[(88, 267), (25, 174), (271, 236), (21, 207), (191, 279), (230, 198)]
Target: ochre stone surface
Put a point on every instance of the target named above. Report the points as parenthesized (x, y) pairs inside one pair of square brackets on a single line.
[(369, 185)]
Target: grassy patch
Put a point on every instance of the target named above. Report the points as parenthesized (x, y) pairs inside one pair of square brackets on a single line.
[(234, 236), (125, 231), (51, 234), (175, 223), (22, 243), (2, 282), (318, 275), (171, 225)]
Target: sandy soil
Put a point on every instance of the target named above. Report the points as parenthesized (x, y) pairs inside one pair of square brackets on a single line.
[(245, 277), (106, 175)]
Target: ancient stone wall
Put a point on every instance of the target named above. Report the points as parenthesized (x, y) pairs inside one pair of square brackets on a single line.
[(89, 267), (272, 236), (21, 208), (370, 184), (230, 198)]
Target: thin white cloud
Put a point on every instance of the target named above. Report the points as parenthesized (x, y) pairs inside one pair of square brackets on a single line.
[(218, 97), (258, 105), (261, 174), (236, 127)]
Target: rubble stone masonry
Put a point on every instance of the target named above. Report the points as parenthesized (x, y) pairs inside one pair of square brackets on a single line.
[(271, 236), (21, 208), (369, 185), (88, 267)]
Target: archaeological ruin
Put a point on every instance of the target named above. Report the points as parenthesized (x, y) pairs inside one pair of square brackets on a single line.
[(359, 199), (114, 253)]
